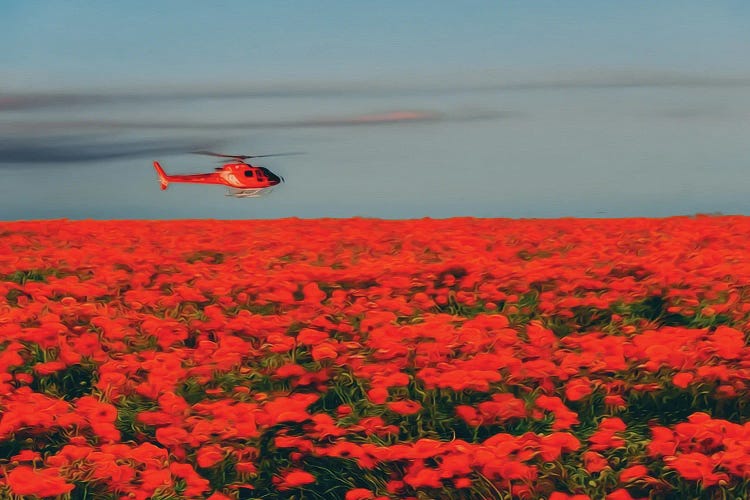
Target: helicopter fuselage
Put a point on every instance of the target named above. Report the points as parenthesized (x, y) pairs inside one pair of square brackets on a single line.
[(235, 175), (243, 175)]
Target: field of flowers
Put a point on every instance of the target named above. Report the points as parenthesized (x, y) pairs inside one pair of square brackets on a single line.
[(360, 359)]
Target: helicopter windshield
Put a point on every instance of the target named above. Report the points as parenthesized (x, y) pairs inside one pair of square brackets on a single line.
[(270, 175)]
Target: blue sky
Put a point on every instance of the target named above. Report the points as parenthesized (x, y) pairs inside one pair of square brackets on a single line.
[(50, 45), (545, 108)]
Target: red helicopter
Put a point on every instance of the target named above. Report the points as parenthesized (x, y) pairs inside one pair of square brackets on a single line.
[(242, 179)]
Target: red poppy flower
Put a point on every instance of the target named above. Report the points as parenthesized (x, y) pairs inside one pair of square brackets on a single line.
[(295, 479), (26, 456), (171, 435), (25, 480), (326, 350), (208, 456), (246, 467), (378, 395), (49, 367), (419, 476), (218, 496), (313, 293), (309, 336), (594, 462), (290, 370), (605, 437), (682, 379), (405, 407), (463, 483), (359, 494), (632, 473), (615, 401), (696, 467), (211, 309), (578, 388), (556, 495), (620, 494)]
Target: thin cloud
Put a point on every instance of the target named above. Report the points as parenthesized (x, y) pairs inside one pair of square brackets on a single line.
[(685, 113)]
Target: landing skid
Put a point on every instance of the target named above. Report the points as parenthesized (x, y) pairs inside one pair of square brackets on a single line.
[(248, 193)]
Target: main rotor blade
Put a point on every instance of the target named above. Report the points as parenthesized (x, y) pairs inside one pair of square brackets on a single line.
[(211, 153), (275, 154), (242, 157)]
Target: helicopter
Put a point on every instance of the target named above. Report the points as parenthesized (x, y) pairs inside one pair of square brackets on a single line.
[(242, 179)]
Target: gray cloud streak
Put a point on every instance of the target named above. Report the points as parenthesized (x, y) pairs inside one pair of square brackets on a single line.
[(72, 141), (389, 118), (78, 149), (22, 101)]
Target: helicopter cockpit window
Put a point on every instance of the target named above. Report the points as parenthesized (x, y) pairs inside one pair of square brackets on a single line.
[(248, 173)]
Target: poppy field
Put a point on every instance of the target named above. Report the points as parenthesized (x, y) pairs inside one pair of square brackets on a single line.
[(365, 359)]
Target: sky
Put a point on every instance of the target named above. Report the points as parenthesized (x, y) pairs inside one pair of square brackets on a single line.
[(530, 109)]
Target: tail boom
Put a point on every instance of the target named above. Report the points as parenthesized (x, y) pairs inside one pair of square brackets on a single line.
[(165, 180)]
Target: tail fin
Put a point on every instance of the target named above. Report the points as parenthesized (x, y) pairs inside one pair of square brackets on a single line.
[(163, 177)]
